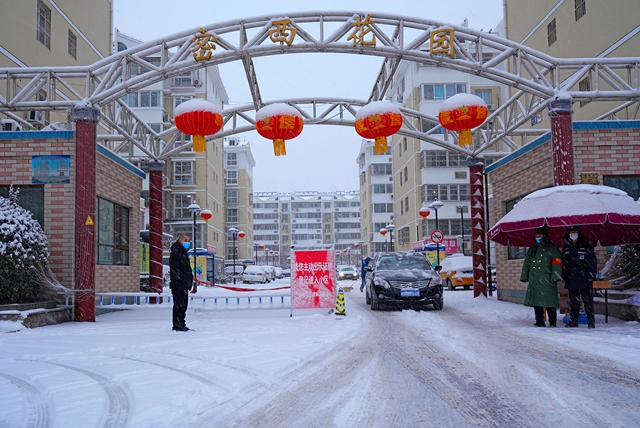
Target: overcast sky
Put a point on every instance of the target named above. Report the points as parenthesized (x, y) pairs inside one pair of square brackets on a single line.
[(322, 158)]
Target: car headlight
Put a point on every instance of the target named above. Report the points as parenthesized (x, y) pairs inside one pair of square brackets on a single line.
[(381, 283)]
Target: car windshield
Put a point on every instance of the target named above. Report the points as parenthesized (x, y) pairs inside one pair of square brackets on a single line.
[(403, 261), (347, 269)]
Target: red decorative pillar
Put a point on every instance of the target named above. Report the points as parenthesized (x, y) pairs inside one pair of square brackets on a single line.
[(478, 237), (86, 118), (156, 170), (562, 139)]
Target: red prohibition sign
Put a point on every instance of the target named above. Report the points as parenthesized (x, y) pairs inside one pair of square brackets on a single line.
[(437, 236)]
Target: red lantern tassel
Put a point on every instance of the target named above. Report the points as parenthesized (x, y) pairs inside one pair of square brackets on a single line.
[(279, 148), (380, 147), (199, 143), (465, 138)]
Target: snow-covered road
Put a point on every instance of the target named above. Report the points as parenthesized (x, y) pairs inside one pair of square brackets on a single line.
[(478, 362)]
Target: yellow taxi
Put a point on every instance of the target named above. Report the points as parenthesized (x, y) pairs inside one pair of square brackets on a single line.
[(457, 271)]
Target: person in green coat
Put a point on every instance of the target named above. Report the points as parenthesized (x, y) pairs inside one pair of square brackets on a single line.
[(542, 269)]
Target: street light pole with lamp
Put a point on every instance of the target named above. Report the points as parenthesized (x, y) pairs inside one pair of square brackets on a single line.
[(195, 210), (391, 227), (436, 205), (424, 213), (235, 233), (383, 232)]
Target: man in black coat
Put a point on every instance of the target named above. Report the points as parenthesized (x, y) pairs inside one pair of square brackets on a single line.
[(580, 269), (181, 280)]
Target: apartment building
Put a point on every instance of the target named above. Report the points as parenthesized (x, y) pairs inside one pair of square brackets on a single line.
[(46, 33), (306, 220)]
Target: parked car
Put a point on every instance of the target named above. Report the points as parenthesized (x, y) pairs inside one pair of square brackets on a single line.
[(254, 274), (348, 272), (403, 280), (286, 273), (230, 269), (271, 272), (166, 275), (279, 272), (457, 271)]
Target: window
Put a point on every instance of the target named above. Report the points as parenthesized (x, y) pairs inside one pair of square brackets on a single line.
[(44, 25), (184, 79), (232, 196), (406, 174), (626, 183), (445, 192), (383, 208), (179, 99), (442, 91), (381, 169), (406, 204), (232, 159), (121, 47), (182, 172), (383, 188), (31, 198), (113, 233), (584, 86), (142, 99), (551, 32), (485, 94), (581, 8), (181, 204), (427, 126), (232, 215), (442, 159), (232, 177), (73, 45)]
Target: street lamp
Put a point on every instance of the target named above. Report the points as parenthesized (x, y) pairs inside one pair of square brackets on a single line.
[(271, 252), (234, 233), (436, 205), (460, 207), (391, 227), (195, 210), (424, 213), (383, 232)]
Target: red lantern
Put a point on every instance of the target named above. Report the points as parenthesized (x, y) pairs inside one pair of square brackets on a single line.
[(261, 246), (377, 120), (271, 252), (344, 251), (198, 117), (241, 234), (424, 212), (383, 231), (356, 245), (206, 215), (462, 112), (279, 122)]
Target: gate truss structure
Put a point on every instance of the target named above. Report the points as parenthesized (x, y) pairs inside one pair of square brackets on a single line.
[(537, 77)]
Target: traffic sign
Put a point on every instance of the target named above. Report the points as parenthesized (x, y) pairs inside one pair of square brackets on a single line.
[(437, 236)]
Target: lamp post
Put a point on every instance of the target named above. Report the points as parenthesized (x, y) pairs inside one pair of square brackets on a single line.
[(195, 210), (261, 247), (235, 233), (460, 207), (270, 252), (424, 213), (255, 253), (346, 253), (383, 232), (391, 227), (436, 205)]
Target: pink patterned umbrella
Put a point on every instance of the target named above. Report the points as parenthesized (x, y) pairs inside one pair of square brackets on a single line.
[(606, 216)]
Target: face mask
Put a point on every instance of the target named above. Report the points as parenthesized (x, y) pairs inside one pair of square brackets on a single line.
[(538, 240), (186, 245), (573, 236)]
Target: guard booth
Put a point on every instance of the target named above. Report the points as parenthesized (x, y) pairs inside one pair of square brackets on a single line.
[(205, 261)]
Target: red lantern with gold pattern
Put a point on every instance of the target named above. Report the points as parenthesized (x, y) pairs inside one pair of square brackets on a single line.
[(279, 122), (462, 112), (206, 215), (198, 117), (378, 120)]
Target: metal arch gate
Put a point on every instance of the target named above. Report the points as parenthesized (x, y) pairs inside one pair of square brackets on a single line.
[(538, 77)]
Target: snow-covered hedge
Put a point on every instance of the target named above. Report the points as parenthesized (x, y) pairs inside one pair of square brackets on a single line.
[(23, 252)]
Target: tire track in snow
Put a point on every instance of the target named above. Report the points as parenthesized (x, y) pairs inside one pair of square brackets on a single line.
[(38, 412)]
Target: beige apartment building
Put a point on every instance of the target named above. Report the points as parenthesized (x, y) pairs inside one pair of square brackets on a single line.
[(45, 33)]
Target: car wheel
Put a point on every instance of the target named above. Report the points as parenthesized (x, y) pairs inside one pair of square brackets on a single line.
[(367, 299), (450, 285), (439, 304), (375, 304), (466, 287)]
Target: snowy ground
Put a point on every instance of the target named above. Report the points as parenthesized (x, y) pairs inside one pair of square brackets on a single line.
[(478, 362)]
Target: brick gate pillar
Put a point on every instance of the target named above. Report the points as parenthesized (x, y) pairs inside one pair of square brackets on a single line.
[(560, 112), (86, 118), (155, 226), (478, 236)]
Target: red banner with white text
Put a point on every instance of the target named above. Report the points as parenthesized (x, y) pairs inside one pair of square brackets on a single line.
[(313, 279)]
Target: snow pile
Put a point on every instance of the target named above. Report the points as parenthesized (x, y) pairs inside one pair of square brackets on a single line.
[(462, 100), (196, 105), (376, 107), (276, 109)]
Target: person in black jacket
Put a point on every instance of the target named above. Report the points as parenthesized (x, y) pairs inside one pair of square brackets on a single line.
[(181, 280), (580, 267)]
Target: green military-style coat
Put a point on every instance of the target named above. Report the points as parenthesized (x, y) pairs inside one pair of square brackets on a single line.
[(540, 271)]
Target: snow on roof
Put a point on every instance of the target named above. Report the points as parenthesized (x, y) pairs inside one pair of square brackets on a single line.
[(196, 105), (461, 100), (576, 188), (376, 107), (276, 109)]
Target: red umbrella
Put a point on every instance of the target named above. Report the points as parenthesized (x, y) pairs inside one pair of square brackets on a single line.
[(606, 215)]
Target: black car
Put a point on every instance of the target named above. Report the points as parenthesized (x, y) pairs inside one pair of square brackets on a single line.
[(403, 280)]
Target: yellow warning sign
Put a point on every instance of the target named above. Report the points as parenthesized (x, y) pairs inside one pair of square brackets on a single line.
[(89, 221)]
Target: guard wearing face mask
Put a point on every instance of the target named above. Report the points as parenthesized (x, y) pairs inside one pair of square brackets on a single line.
[(181, 280), (542, 268), (580, 267)]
